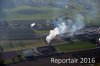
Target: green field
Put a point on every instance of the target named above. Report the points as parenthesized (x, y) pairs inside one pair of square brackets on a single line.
[(40, 13), (72, 46), (41, 31)]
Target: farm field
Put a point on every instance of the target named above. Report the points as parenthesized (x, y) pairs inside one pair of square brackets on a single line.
[(73, 46), (31, 13), (15, 45), (63, 46), (24, 11)]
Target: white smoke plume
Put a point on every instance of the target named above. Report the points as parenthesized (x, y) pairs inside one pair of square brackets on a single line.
[(99, 39), (56, 31), (66, 26), (32, 25)]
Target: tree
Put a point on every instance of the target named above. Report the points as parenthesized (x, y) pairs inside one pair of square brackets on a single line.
[(10, 44), (21, 43), (2, 63), (1, 49), (20, 58)]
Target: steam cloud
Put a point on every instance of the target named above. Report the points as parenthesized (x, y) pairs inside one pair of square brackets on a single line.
[(33, 24), (66, 26)]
